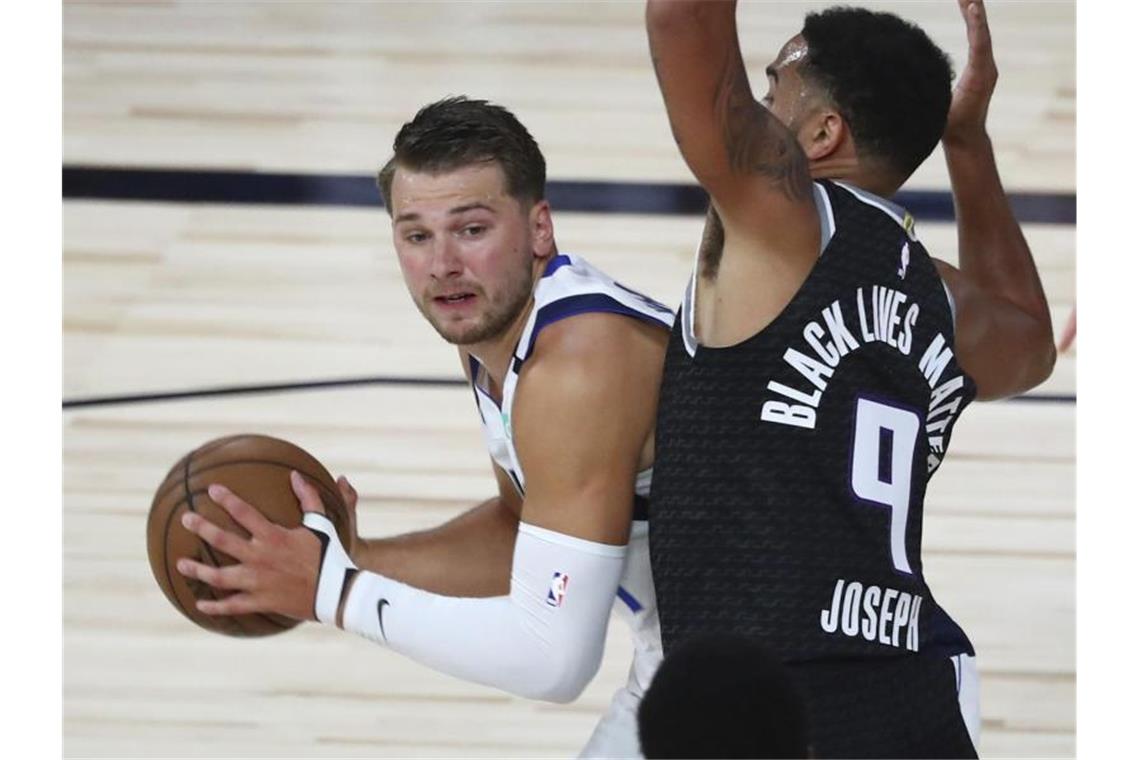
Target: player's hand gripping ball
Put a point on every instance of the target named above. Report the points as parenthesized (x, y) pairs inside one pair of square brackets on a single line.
[(256, 468)]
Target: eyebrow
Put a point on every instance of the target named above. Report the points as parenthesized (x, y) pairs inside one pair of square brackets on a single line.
[(470, 207), (412, 216)]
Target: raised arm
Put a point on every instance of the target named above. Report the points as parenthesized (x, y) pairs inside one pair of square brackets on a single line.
[(746, 159), (1004, 333)]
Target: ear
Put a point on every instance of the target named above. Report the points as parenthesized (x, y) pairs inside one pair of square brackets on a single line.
[(824, 134), (542, 229)]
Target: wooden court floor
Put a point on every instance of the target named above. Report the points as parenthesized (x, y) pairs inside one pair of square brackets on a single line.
[(162, 296)]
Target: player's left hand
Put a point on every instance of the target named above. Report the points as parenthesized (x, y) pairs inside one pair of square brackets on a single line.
[(349, 495), (276, 569), (970, 103)]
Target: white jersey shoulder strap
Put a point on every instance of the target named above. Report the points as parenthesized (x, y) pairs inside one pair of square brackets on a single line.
[(569, 286)]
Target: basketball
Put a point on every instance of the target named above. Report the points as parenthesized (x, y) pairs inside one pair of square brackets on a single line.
[(256, 468)]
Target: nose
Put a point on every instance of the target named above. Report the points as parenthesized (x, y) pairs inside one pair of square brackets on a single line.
[(445, 262)]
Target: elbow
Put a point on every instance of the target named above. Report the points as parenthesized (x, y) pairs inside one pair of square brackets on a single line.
[(1037, 363), (564, 678), (1045, 361), (1023, 366), (1041, 355), (566, 690)]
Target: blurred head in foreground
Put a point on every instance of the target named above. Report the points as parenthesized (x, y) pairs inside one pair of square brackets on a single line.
[(722, 696)]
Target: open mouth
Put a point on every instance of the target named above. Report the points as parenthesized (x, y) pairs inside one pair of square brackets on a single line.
[(455, 298)]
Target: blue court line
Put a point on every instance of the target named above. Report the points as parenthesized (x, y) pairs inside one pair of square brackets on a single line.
[(438, 382), (663, 198)]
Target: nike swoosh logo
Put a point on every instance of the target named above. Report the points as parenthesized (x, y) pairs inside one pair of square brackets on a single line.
[(380, 616)]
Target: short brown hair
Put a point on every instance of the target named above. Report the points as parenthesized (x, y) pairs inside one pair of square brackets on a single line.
[(456, 132)]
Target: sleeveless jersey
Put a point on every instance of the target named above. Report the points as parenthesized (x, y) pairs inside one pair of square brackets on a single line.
[(570, 286), (791, 468)]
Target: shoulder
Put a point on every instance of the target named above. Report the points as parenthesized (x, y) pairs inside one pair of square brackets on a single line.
[(602, 341), (593, 362), (588, 393), (572, 286)]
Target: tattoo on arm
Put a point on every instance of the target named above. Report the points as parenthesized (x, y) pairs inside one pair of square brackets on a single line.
[(661, 83), (756, 141)]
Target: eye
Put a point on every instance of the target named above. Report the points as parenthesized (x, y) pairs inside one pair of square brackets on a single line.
[(415, 237), (473, 230)]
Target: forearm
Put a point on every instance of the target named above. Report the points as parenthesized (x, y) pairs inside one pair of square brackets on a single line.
[(992, 250), (467, 556), (742, 154), (542, 640), (662, 15)]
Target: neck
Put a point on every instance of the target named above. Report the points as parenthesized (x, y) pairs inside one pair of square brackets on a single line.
[(496, 354), (848, 169)]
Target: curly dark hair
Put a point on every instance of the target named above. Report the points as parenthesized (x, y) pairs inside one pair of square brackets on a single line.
[(887, 79), (456, 132)]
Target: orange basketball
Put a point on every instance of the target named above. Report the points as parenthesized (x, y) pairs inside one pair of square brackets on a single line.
[(256, 468)]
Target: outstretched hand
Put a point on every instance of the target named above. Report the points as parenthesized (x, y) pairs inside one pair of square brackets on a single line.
[(971, 100), (276, 569)]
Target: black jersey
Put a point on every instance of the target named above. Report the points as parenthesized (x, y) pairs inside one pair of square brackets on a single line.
[(791, 468)]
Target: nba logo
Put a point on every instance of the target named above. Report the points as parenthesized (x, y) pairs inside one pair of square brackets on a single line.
[(904, 260), (557, 589)]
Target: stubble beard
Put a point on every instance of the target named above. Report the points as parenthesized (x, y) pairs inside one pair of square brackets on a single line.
[(498, 316)]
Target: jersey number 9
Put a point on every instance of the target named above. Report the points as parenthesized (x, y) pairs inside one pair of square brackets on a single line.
[(882, 459)]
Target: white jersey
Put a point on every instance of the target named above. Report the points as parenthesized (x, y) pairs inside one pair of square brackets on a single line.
[(571, 286)]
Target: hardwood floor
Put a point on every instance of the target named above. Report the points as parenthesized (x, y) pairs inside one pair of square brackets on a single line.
[(163, 297)]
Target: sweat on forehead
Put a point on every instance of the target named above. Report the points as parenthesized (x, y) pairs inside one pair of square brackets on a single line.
[(794, 50)]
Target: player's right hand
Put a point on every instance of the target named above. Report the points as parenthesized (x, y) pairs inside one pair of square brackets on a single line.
[(277, 568), (970, 103)]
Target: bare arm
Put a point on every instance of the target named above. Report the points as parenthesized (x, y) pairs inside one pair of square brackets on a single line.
[(582, 420), (469, 555), (747, 160), (1004, 333), (567, 432)]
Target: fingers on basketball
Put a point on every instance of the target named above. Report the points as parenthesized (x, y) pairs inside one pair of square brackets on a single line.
[(230, 577), (220, 539), (235, 604), (347, 492), (240, 510), (306, 493)]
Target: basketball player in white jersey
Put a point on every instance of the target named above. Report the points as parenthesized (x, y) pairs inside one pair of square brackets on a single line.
[(564, 364)]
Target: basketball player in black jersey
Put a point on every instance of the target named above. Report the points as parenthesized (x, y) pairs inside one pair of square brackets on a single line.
[(822, 357)]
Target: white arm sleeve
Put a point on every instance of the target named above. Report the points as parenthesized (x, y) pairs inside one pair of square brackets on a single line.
[(543, 641)]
